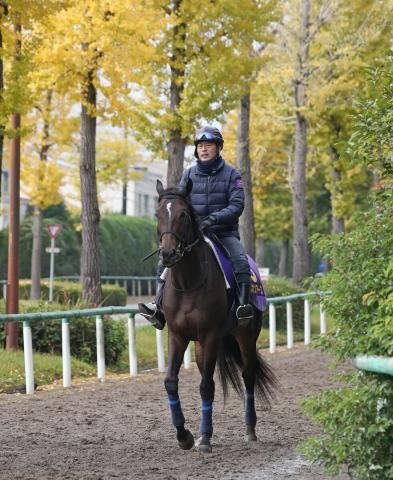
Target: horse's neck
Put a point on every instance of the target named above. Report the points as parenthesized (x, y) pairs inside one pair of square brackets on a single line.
[(191, 270)]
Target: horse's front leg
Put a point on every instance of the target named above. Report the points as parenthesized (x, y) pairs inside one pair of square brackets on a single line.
[(177, 347), (206, 360)]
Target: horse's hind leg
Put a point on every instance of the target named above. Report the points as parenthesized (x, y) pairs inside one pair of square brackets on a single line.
[(177, 347), (249, 358), (206, 357)]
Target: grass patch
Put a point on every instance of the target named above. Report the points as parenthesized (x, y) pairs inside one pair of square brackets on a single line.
[(47, 369)]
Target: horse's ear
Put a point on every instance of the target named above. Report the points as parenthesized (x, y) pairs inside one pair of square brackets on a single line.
[(159, 187), (189, 186)]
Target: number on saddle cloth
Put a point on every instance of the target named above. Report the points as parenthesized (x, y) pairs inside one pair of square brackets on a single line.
[(258, 296)]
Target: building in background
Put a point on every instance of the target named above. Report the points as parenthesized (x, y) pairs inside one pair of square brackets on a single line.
[(141, 194), (5, 202)]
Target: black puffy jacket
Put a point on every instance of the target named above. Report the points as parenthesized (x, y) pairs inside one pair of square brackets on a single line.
[(218, 195)]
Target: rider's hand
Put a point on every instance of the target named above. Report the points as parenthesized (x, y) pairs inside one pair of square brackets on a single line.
[(207, 222)]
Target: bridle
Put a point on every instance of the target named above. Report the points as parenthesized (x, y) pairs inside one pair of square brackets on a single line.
[(182, 246)]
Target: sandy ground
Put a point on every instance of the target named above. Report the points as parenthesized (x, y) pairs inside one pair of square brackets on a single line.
[(121, 429)]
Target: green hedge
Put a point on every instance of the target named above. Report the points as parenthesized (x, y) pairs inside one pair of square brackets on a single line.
[(70, 293), (47, 333), (279, 287), (66, 262), (124, 241)]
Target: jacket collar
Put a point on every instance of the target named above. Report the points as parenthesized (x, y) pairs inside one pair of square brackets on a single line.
[(213, 172)]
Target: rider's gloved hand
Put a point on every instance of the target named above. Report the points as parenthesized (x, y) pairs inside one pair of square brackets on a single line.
[(207, 222)]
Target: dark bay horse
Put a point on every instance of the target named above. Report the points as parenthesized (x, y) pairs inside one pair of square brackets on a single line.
[(196, 306)]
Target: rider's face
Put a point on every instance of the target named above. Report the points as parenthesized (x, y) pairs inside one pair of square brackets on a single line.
[(207, 151)]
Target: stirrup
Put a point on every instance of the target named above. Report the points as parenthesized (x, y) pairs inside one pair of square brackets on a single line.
[(155, 317), (244, 313)]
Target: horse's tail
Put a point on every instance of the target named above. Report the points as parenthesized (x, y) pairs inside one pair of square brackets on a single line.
[(229, 370)]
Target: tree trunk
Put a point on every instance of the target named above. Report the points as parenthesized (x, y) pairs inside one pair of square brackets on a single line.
[(124, 198), (176, 144), (1, 101), (301, 250), (261, 252), (247, 228), (36, 255), (337, 222), (12, 302), (90, 216), (283, 262)]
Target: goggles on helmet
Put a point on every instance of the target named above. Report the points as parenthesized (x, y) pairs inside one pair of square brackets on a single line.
[(206, 136)]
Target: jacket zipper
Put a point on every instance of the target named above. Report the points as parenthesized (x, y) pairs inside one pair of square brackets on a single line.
[(208, 189)]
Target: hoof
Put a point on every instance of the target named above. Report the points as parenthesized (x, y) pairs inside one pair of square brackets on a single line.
[(187, 442), (203, 445), (251, 437), (250, 434)]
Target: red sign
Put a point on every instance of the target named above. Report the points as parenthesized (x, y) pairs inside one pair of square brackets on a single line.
[(54, 229)]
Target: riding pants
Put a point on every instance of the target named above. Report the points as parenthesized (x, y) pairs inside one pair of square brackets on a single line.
[(238, 258)]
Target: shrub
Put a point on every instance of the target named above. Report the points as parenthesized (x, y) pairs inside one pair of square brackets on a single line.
[(47, 333), (70, 293), (280, 287), (356, 420)]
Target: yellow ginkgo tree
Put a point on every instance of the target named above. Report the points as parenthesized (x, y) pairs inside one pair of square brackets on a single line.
[(117, 157), (48, 136), (94, 52)]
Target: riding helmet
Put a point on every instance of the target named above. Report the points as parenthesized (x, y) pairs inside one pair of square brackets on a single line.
[(208, 134)]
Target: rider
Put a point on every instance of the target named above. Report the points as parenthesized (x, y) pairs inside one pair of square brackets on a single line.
[(218, 198)]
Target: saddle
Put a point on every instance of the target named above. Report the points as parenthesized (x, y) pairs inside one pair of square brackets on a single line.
[(258, 296)]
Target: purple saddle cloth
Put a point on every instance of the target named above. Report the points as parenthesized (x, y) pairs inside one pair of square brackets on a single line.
[(258, 296)]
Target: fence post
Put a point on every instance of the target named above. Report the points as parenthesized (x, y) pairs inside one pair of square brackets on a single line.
[(187, 357), (66, 352), (100, 348), (272, 327), (132, 346), (139, 288), (149, 288), (160, 351), (125, 285), (307, 322), (28, 354), (133, 288), (322, 319), (289, 325)]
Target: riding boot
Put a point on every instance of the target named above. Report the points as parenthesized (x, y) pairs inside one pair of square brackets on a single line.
[(155, 315), (244, 312)]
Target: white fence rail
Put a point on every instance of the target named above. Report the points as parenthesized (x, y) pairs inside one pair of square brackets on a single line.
[(133, 360)]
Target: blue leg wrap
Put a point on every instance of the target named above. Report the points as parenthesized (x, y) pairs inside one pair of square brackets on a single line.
[(249, 406), (177, 414), (206, 426)]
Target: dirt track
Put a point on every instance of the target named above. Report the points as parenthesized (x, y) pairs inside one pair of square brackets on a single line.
[(121, 430)]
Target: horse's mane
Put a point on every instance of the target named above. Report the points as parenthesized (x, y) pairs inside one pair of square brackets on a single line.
[(176, 192)]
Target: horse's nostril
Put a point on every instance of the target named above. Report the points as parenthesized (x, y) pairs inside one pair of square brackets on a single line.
[(167, 254)]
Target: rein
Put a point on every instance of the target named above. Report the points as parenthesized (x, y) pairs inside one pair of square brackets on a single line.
[(200, 284)]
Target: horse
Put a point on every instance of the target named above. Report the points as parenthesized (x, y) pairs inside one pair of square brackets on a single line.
[(196, 306)]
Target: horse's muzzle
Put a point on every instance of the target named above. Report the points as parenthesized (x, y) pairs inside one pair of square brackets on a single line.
[(170, 257)]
